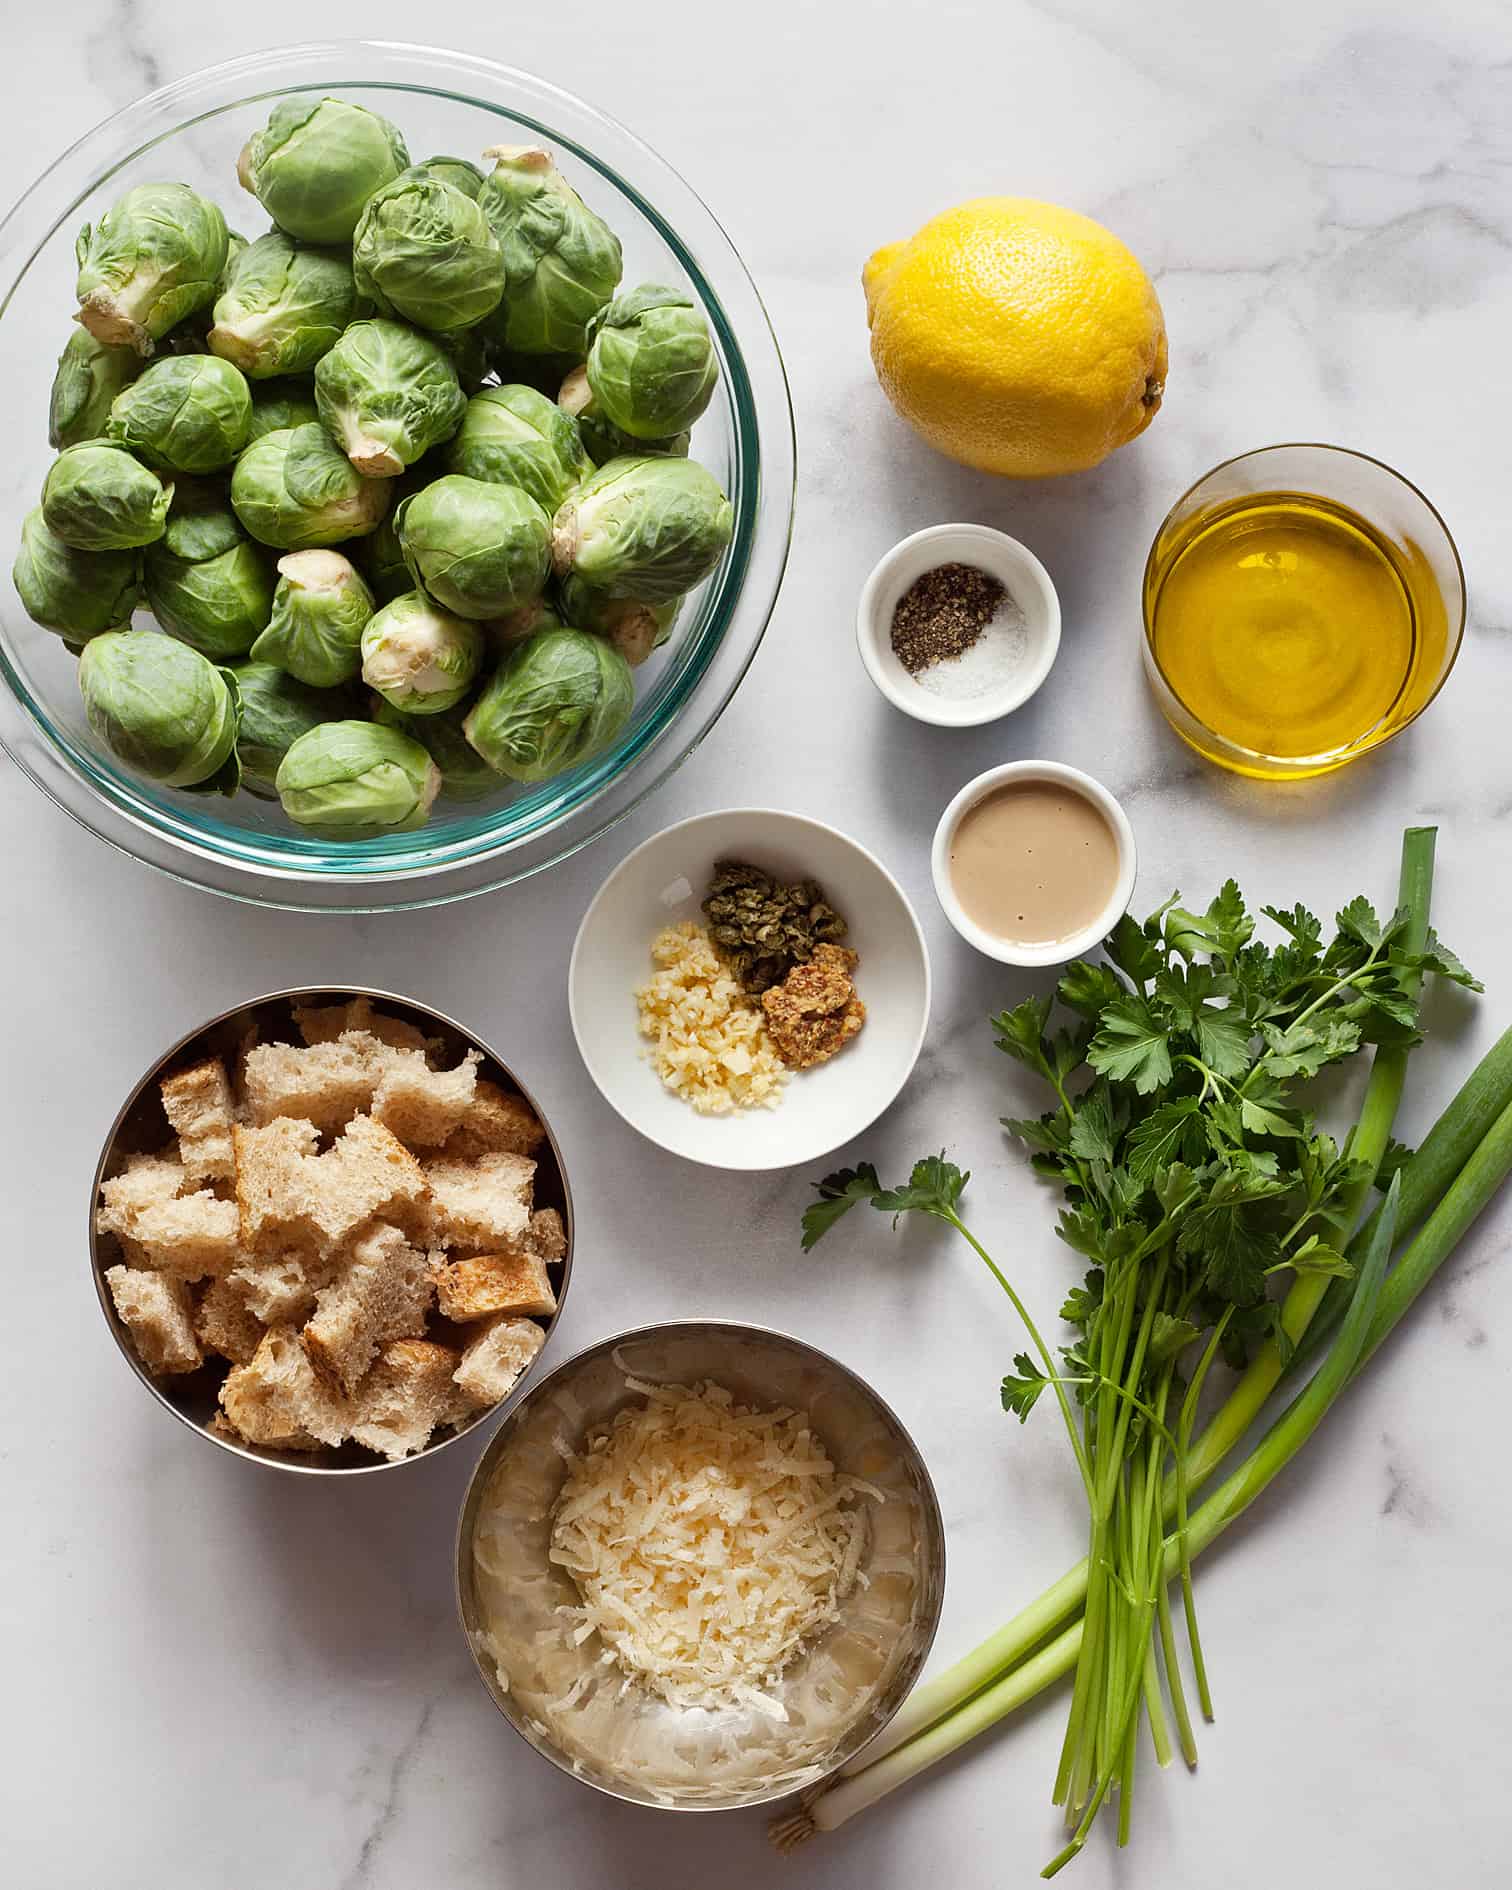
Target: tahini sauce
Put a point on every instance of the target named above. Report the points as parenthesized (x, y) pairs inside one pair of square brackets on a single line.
[(1033, 862)]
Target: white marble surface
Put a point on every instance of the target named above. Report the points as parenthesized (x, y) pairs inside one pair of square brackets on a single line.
[(217, 1675)]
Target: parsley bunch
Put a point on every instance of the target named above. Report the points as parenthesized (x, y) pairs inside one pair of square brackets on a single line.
[(1193, 1176)]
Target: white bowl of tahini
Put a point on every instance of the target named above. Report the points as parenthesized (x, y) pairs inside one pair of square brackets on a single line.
[(1006, 661), (1034, 862), (661, 884)]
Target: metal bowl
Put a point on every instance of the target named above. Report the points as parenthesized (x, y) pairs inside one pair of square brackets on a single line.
[(141, 1127), (627, 1742)]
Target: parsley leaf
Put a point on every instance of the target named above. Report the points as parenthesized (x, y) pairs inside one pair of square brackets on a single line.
[(1135, 951), (1086, 988), (1171, 1132), (838, 1194), (1436, 956), (1021, 1033), (1021, 1394), (934, 1187), (1132, 1045)]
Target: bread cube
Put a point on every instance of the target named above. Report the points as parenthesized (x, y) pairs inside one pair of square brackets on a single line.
[(420, 1105), (199, 1106), (408, 1392), (547, 1235), (224, 1323), (323, 1083), (144, 1182), (369, 1172), (492, 1364), (325, 1023), (495, 1122), (510, 1282), (279, 1290), (277, 1400), (158, 1314), (274, 1198), (383, 1292), (196, 1237), (483, 1204)]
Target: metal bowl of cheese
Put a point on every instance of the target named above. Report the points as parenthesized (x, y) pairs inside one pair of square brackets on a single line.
[(568, 1696)]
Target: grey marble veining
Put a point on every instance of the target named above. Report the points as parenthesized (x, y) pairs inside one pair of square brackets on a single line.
[(214, 1677)]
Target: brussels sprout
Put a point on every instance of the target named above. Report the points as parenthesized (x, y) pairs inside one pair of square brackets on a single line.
[(99, 497), (350, 778), (282, 306), (90, 375), (514, 436), (76, 593), (602, 440), (465, 775), (457, 172), (478, 549), (278, 405), (275, 711), (205, 583), (419, 657), (162, 708), (293, 489), (425, 251), (515, 625), (317, 162), (319, 610), (651, 364), (561, 262), (192, 414), (152, 259), (387, 394), (635, 629), (649, 529), (558, 698)]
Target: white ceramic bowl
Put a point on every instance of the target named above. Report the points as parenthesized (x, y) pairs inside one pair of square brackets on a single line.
[(660, 884), (1024, 578), (1060, 950)]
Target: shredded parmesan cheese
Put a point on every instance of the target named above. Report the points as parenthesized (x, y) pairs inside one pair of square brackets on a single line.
[(709, 1542), (710, 1043)]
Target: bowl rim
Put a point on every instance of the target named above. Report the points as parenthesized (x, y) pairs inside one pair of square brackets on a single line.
[(242, 862), (1058, 951), (1234, 755), (293, 1462), (472, 1498), (1042, 611), (883, 1102)]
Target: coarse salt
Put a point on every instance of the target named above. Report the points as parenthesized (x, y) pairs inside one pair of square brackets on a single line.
[(991, 663)]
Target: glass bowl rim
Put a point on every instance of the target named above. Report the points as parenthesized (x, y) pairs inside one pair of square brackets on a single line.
[(244, 864), (1302, 765)]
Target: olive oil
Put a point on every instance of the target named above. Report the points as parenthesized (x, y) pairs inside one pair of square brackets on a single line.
[(1291, 629)]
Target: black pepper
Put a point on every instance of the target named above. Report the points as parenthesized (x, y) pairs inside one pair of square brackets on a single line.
[(942, 613)]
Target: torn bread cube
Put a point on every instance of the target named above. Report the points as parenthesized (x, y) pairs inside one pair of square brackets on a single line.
[(492, 1364), (279, 1289), (224, 1323), (482, 1204), (513, 1282), (547, 1236), (420, 1105), (325, 1023), (495, 1121), (273, 1195), (144, 1182), (276, 1398), (158, 1314), (195, 1237), (369, 1172), (383, 1292), (199, 1106), (324, 1083), (409, 1391)]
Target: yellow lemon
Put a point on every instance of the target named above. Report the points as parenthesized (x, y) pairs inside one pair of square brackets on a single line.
[(1017, 337)]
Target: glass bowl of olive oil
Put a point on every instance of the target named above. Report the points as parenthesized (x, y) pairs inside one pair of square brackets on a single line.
[(1302, 605)]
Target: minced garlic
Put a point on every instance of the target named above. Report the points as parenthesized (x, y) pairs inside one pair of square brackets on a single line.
[(710, 1044)]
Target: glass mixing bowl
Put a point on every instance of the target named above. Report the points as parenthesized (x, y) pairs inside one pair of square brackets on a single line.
[(443, 102)]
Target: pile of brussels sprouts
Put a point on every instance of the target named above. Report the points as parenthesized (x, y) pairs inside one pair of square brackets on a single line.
[(427, 366)]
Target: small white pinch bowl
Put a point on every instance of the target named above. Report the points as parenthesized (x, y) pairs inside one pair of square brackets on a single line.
[(1021, 574), (661, 884), (1057, 951)]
